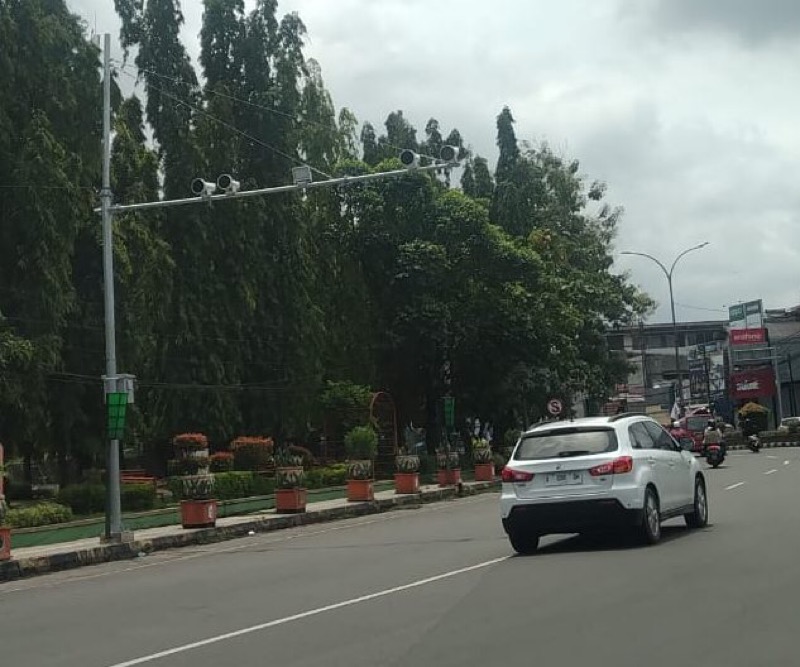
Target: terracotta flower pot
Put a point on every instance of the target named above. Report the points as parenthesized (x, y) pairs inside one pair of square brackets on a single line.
[(406, 482), (290, 501), (198, 513), (5, 544), (449, 477), (484, 472), (360, 490)]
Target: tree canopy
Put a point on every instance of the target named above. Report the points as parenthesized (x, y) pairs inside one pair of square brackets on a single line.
[(236, 317)]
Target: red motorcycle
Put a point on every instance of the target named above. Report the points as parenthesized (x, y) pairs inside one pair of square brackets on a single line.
[(715, 454)]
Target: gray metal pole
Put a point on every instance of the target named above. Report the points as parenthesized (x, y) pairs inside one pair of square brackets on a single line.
[(778, 388), (114, 505), (679, 393)]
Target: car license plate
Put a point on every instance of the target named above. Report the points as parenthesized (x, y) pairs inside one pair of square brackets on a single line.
[(563, 478)]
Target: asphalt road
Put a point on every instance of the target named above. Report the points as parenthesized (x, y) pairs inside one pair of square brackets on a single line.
[(438, 586)]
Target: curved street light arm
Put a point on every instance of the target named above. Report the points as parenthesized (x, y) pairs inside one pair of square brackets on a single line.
[(685, 252), (644, 254)]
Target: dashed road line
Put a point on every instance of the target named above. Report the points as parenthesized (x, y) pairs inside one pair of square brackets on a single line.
[(770, 472), (734, 486)]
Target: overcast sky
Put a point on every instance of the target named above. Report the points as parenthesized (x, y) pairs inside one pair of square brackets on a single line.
[(687, 109)]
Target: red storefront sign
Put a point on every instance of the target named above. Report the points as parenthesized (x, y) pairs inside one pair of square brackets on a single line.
[(748, 336), (755, 383)]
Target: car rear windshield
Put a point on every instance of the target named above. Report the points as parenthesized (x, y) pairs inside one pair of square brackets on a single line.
[(697, 423), (566, 442)]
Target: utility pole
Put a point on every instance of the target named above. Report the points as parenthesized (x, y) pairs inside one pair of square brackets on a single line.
[(118, 388), (113, 502)]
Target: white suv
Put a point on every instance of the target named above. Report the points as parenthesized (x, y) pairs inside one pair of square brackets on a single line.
[(593, 474)]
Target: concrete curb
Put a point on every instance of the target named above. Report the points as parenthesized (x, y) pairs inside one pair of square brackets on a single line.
[(104, 553), (766, 445)]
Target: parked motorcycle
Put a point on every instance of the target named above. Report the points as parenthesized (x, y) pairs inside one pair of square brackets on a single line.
[(753, 444), (715, 455)]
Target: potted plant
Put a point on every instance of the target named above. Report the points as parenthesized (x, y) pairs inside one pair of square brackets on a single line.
[(449, 467), (482, 457), (361, 445), (198, 506), (290, 479), (5, 531), (406, 477)]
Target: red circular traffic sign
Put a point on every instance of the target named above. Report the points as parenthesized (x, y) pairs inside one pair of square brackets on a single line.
[(555, 406)]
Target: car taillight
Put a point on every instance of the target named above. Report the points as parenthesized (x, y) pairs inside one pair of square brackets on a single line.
[(616, 467), (509, 475)]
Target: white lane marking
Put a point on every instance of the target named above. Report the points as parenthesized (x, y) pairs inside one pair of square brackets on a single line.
[(734, 486), (770, 472), (786, 463), (772, 457), (307, 614)]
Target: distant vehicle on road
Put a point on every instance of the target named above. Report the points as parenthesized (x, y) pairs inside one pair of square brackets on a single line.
[(598, 473), (789, 423)]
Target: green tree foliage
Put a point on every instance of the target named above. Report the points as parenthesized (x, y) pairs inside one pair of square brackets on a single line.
[(264, 315)]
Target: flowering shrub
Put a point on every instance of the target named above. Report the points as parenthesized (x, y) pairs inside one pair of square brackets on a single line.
[(190, 441), (221, 462), (252, 452)]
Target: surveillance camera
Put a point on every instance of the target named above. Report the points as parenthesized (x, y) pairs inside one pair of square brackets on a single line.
[(228, 184), (449, 154), (201, 188), (409, 159)]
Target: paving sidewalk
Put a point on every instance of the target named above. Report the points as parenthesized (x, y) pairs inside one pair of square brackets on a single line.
[(31, 561)]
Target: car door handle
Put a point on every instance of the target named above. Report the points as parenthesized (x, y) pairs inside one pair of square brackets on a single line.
[(651, 460)]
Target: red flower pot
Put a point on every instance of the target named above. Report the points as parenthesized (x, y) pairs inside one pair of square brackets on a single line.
[(449, 477), (406, 482), (484, 472), (198, 513), (5, 543), (360, 490), (290, 501)]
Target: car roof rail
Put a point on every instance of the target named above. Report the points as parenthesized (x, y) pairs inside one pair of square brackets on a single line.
[(624, 415)]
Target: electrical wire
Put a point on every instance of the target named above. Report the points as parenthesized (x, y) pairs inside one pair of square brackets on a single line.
[(276, 112), (231, 127)]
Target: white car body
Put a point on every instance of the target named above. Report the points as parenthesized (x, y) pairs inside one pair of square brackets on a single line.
[(594, 491)]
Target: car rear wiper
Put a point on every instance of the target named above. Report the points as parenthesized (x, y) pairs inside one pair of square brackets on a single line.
[(574, 452)]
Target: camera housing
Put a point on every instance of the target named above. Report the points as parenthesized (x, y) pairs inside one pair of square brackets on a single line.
[(409, 159), (201, 188), (228, 184)]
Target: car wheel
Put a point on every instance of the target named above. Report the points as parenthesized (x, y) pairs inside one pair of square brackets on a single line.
[(698, 517), (524, 543), (650, 529)]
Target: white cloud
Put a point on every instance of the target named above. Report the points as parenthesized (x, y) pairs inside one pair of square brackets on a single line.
[(686, 108)]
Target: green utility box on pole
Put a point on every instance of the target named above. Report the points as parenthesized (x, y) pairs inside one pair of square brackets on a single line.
[(116, 410), (449, 411)]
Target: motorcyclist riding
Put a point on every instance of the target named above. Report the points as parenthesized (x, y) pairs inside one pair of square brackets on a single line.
[(713, 436)]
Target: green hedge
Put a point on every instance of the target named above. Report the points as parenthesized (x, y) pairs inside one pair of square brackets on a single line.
[(38, 515), (230, 485), (334, 475), (138, 497), (84, 499)]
